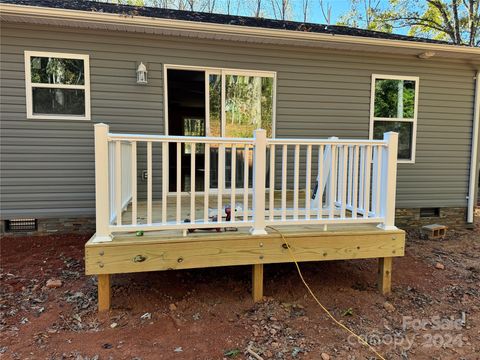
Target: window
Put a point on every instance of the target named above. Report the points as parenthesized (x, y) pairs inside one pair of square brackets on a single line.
[(57, 86), (394, 105)]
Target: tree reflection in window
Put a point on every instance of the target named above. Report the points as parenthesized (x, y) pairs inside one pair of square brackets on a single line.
[(248, 105), (47, 70), (394, 98), (394, 110)]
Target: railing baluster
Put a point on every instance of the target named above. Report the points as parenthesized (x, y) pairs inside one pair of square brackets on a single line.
[(126, 171), (296, 175), (349, 175), (134, 182), (368, 170), (221, 173), (374, 179), (308, 179), (361, 186), (356, 151), (333, 179), (111, 180), (118, 182), (272, 182), (233, 178), (341, 155), (149, 182), (321, 152), (178, 194), (165, 164), (343, 184), (378, 183), (284, 182), (245, 183), (207, 183), (192, 182)]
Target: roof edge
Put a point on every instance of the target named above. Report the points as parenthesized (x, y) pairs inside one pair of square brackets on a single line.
[(227, 29)]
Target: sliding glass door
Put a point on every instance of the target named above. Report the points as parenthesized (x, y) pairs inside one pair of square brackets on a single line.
[(238, 104), (217, 103), (248, 105)]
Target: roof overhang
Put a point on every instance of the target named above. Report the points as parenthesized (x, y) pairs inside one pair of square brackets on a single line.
[(139, 24)]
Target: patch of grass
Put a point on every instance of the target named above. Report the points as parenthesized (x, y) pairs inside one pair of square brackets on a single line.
[(232, 353)]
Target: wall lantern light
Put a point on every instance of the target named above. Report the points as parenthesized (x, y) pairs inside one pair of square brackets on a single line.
[(142, 74)]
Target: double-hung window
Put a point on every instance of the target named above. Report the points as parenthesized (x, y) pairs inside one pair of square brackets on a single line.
[(394, 106), (57, 86)]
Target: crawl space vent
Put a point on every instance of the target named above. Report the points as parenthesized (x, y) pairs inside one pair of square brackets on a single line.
[(20, 225), (429, 212)]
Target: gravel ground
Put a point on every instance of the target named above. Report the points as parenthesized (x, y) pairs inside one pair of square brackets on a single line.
[(48, 307)]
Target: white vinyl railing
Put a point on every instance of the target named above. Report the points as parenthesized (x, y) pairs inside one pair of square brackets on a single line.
[(271, 182)]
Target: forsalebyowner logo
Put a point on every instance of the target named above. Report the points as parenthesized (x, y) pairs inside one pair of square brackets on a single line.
[(434, 332)]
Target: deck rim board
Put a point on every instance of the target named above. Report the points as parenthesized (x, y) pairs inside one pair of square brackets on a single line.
[(240, 249), (156, 238)]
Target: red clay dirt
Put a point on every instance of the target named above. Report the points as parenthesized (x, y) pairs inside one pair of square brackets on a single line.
[(208, 313)]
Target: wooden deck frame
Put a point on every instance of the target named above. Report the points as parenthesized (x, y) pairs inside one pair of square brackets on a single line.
[(159, 251)]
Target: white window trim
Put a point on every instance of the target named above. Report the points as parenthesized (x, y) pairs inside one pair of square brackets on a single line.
[(29, 85), (415, 111), (222, 72)]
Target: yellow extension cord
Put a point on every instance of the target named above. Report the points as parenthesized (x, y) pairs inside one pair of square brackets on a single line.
[(362, 341)]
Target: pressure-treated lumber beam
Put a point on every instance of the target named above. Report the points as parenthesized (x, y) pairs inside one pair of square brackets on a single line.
[(162, 252), (104, 292), (257, 282), (385, 275)]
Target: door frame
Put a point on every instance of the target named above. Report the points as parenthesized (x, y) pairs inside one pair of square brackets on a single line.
[(223, 72)]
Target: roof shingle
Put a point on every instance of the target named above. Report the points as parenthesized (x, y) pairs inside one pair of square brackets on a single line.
[(214, 18)]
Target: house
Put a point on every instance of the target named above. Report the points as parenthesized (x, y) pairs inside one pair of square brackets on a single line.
[(312, 81), (128, 119)]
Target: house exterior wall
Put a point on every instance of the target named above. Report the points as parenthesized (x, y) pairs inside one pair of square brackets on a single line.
[(47, 166)]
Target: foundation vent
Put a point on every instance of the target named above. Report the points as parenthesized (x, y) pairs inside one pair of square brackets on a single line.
[(20, 225), (429, 212)]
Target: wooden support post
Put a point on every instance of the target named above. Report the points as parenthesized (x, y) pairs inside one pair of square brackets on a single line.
[(385, 275), (104, 292), (257, 282)]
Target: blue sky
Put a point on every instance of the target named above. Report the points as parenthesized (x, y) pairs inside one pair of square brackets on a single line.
[(247, 8), (339, 7)]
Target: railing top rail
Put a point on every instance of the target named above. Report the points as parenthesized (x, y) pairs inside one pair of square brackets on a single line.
[(182, 139), (249, 141), (325, 142)]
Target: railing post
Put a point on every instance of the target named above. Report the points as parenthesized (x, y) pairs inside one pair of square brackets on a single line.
[(389, 181), (258, 197), (101, 184)]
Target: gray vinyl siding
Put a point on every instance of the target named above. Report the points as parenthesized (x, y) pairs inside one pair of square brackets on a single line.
[(47, 167)]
